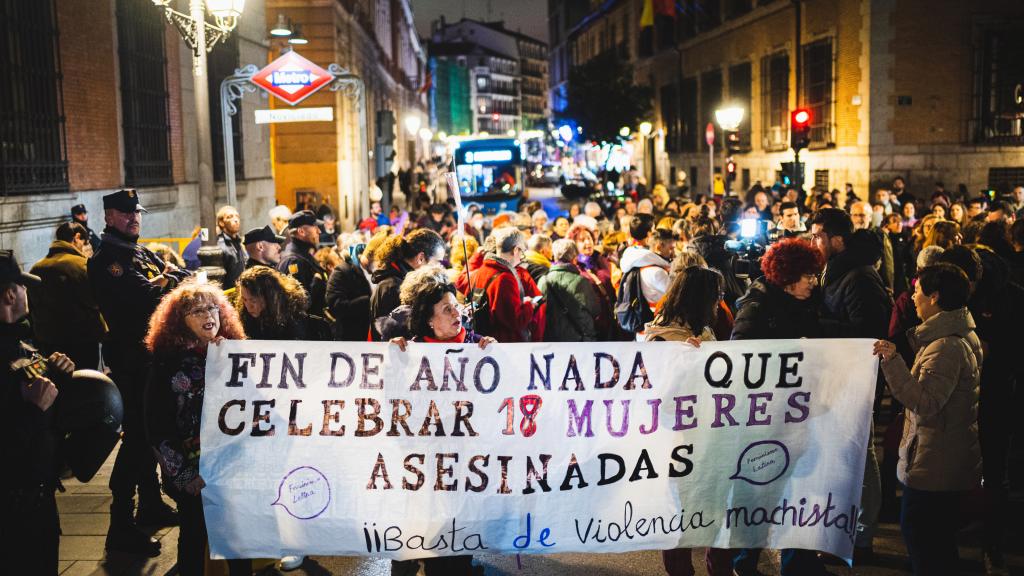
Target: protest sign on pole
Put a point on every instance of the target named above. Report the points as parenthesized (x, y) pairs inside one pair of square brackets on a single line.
[(348, 448)]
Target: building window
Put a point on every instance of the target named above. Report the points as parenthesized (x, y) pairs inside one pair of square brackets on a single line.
[(33, 158), (1004, 180), (710, 96), (736, 8), (688, 108), (999, 116), (144, 115), (222, 62), (740, 87), (775, 102), (669, 99), (821, 179), (818, 84)]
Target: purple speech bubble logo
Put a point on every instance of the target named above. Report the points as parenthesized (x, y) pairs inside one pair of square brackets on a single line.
[(762, 462), (304, 493)]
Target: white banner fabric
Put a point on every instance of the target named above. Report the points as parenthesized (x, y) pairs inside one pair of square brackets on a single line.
[(349, 448)]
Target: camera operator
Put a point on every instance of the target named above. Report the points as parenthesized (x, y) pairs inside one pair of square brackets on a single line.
[(29, 526)]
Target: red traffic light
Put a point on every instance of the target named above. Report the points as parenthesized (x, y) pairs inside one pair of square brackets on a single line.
[(801, 116), (730, 167), (495, 116)]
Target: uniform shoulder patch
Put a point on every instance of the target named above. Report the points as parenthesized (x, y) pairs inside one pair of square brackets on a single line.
[(115, 269), (293, 268)]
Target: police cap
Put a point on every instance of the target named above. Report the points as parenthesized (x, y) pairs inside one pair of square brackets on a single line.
[(126, 200), (303, 218), (265, 234), (78, 209), (10, 271)]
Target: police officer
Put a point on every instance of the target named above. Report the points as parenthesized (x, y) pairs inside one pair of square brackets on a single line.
[(128, 281), (29, 526), (263, 246), (297, 259), (81, 215)]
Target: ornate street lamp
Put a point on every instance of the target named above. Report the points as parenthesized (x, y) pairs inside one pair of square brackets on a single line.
[(202, 36)]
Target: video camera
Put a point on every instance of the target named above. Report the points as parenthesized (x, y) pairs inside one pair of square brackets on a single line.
[(749, 246)]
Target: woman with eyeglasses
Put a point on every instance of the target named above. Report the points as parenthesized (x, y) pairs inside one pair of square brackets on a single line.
[(189, 319), (782, 303)]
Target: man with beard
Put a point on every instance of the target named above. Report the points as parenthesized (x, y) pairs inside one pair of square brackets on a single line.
[(128, 281)]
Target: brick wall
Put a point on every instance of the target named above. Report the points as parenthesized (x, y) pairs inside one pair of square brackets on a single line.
[(172, 51), (88, 55)]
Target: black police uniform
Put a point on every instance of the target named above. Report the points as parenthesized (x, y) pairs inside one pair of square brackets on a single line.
[(297, 260), (265, 234), (29, 525), (120, 275), (94, 240), (234, 258)]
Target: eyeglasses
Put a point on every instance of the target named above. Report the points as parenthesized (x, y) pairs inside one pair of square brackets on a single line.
[(205, 311)]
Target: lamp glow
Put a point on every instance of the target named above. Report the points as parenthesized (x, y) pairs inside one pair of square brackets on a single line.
[(624, 131), (412, 124), (225, 9), (281, 27), (729, 118)]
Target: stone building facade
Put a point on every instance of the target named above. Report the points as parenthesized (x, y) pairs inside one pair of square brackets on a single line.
[(889, 94), (376, 40), (98, 96)]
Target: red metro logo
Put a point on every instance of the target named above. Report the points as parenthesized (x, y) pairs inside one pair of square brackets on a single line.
[(292, 78)]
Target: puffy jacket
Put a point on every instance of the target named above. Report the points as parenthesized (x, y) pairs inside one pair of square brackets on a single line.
[(939, 450), (855, 296), (572, 305), (348, 299), (769, 312), (510, 315), (387, 282), (654, 273), (63, 308)]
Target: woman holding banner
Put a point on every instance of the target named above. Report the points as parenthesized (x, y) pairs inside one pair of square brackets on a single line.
[(687, 314), (434, 316), (940, 456), (186, 322), (782, 305)]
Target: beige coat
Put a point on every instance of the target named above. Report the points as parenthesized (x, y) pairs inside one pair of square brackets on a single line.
[(939, 450)]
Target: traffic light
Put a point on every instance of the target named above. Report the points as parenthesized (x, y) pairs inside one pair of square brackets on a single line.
[(800, 128), (730, 171), (792, 173), (732, 141)]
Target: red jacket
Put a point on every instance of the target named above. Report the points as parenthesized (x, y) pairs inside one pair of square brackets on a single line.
[(510, 316)]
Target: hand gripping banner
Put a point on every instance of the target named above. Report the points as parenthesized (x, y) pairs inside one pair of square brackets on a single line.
[(349, 448)]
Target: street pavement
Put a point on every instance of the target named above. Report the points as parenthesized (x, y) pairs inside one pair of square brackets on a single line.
[(84, 519)]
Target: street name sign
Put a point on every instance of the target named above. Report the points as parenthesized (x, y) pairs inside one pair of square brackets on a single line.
[(292, 78), (320, 114)]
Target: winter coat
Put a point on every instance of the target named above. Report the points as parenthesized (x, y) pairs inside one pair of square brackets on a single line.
[(509, 315), (297, 261), (348, 299), (674, 333), (940, 449), (300, 326), (537, 265), (903, 318), (572, 305), (387, 282), (63, 308), (598, 271), (854, 295), (767, 312), (653, 273), (714, 252), (173, 409), (234, 256)]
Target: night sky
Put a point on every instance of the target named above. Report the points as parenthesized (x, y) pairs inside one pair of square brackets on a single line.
[(527, 16)]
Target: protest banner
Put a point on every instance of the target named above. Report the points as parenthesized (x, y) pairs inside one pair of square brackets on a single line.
[(348, 448)]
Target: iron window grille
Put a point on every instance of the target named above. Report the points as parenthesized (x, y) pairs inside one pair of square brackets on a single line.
[(33, 143), (999, 87), (819, 81), (775, 102), (740, 87), (221, 63), (144, 98)]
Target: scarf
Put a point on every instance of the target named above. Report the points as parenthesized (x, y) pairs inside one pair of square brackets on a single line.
[(457, 339)]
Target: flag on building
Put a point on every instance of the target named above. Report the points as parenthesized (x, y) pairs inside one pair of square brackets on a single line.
[(647, 16)]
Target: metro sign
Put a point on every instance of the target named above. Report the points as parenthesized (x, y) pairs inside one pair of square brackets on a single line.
[(292, 78)]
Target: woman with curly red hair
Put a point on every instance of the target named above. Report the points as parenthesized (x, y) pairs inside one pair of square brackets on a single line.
[(783, 303), (188, 319)]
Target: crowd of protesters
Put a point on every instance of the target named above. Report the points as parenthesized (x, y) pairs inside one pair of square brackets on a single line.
[(935, 280)]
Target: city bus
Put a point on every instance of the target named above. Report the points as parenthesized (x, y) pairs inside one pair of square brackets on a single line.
[(490, 173)]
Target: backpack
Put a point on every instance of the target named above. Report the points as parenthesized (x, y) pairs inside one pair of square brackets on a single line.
[(631, 307), (481, 306)]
